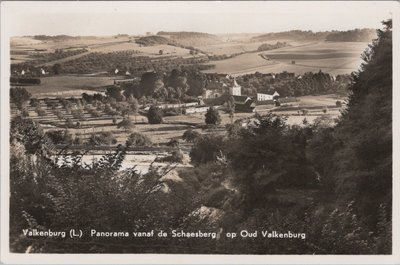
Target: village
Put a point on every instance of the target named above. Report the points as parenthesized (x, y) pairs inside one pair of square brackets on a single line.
[(104, 117)]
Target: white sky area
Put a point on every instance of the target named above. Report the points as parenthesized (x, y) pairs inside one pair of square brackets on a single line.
[(110, 18)]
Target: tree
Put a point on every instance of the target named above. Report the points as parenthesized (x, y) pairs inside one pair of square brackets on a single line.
[(365, 130), (149, 83), (230, 107), (19, 96), (190, 135), (56, 68), (212, 116), (155, 115), (126, 124), (133, 106), (196, 83), (114, 92), (206, 149)]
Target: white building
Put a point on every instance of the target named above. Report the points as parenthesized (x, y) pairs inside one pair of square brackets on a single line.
[(265, 97), (235, 90)]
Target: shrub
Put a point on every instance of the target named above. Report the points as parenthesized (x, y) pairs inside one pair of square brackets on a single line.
[(102, 138), (175, 157), (173, 143), (40, 111), (78, 114), (59, 136), (59, 114), (126, 124), (190, 135), (35, 102), (94, 113), (69, 123), (138, 139)]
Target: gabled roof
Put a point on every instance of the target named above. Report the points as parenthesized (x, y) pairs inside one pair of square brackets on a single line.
[(241, 99)]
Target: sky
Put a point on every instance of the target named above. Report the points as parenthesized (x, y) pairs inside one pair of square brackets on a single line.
[(216, 17)]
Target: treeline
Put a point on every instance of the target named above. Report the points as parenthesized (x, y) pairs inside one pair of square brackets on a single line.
[(179, 86), (24, 81), (268, 46), (152, 40), (361, 35), (290, 85), (128, 61), (186, 34), (55, 38), (299, 35)]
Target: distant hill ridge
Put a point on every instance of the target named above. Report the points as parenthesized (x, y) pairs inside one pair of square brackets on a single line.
[(353, 35), (356, 35), (186, 34), (55, 38)]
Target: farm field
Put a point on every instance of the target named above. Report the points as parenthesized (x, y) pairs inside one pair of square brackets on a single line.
[(67, 85), (232, 45), (92, 44), (330, 57)]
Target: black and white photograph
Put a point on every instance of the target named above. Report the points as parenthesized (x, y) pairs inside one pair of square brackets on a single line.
[(198, 128)]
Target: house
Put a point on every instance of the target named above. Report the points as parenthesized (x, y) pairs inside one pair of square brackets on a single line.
[(210, 93), (265, 97), (244, 104)]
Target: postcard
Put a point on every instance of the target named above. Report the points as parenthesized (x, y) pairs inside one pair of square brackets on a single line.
[(198, 132)]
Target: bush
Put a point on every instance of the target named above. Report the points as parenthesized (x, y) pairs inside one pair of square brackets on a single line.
[(138, 139), (155, 115), (59, 114), (126, 124), (102, 138), (78, 114), (175, 157), (173, 143), (59, 137), (40, 111), (69, 123), (94, 113), (190, 135)]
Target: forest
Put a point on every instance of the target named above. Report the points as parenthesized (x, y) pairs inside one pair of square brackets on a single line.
[(332, 183)]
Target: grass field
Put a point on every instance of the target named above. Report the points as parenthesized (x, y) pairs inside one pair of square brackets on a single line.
[(67, 84)]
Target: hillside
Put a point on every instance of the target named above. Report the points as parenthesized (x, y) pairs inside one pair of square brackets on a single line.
[(152, 40), (297, 35), (355, 35), (191, 38), (186, 34)]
